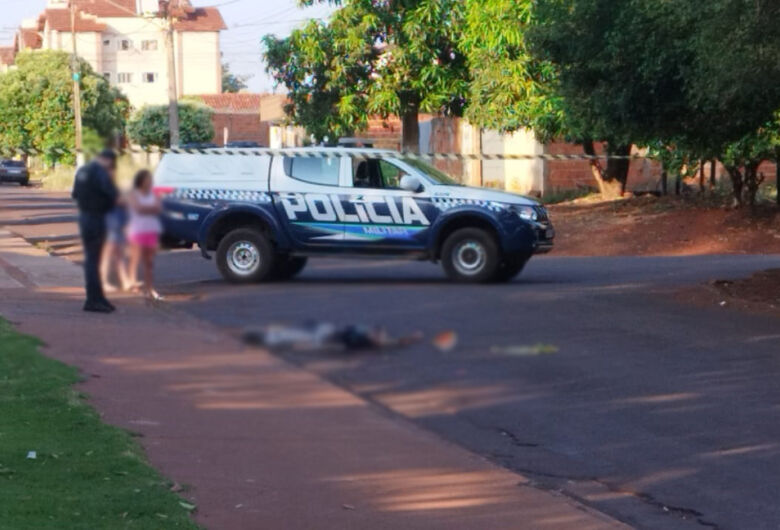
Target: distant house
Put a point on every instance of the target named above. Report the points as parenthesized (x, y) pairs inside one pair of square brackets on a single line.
[(125, 42), (236, 118)]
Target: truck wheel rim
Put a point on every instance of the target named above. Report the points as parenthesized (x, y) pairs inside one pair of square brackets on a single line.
[(469, 258), (243, 258)]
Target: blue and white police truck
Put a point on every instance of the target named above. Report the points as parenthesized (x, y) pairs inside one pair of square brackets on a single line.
[(264, 212)]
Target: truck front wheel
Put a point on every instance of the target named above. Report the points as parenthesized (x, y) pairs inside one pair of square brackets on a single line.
[(471, 255), (244, 256)]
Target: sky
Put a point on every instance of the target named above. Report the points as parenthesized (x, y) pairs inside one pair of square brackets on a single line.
[(247, 21)]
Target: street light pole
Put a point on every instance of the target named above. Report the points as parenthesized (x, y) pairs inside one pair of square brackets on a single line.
[(76, 74), (173, 94)]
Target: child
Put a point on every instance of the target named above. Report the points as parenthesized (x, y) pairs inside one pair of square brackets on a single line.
[(114, 255), (144, 230)]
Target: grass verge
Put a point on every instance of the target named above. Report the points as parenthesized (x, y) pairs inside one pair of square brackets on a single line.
[(84, 474)]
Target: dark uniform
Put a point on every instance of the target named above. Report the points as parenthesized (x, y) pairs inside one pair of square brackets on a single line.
[(96, 194)]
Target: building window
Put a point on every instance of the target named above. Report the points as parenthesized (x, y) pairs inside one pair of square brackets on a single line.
[(149, 45), (125, 44), (149, 77), (107, 76), (107, 42), (124, 77)]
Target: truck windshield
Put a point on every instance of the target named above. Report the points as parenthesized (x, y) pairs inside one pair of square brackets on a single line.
[(438, 176)]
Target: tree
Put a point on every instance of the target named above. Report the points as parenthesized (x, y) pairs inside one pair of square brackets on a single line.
[(510, 88), (394, 57), (149, 125), (699, 76), (232, 83), (36, 106)]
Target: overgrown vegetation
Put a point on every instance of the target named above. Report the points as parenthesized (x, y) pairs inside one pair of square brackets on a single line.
[(60, 466)]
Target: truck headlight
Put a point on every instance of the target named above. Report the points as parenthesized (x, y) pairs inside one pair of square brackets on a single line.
[(527, 212)]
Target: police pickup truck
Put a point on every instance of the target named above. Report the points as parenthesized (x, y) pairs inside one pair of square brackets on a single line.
[(265, 212)]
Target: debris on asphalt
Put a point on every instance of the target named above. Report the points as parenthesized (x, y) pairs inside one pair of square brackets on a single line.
[(524, 350), (347, 506), (32, 455), (445, 341), (325, 335)]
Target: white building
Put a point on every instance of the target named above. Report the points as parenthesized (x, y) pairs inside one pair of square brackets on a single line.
[(124, 41)]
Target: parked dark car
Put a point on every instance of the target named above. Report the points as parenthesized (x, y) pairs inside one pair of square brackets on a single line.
[(14, 171)]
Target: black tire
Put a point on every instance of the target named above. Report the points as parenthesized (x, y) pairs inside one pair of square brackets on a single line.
[(245, 255), (510, 268), (25, 183), (288, 267), (470, 255)]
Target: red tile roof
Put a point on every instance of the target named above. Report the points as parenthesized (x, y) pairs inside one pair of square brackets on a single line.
[(200, 19), (59, 20), (30, 38), (7, 55), (233, 103)]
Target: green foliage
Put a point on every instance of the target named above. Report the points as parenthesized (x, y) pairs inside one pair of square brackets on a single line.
[(149, 125), (36, 105), (510, 88), (86, 474), (232, 83), (396, 57)]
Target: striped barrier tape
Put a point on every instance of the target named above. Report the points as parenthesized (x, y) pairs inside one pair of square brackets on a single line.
[(333, 152)]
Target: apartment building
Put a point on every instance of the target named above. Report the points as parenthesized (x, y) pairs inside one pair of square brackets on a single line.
[(124, 41)]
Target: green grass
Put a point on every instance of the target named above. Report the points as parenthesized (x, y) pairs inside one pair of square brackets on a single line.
[(87, 475)]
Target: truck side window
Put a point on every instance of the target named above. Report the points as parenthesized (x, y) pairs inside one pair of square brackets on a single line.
[(321, 171), (375, 173)]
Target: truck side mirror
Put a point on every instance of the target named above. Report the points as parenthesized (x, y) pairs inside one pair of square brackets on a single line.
[(411, 183)]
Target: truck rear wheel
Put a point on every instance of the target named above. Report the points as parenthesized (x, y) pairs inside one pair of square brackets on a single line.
[(244, 256), (470, 255), (288, 267)]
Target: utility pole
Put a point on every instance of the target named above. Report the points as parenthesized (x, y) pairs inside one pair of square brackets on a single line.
[(76, 74), (173, 93)]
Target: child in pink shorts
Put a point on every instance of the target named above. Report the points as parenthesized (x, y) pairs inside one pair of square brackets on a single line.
[(144, 230)]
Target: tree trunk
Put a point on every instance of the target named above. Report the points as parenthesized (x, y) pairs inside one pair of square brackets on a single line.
[(737, 184), (664, 182), (612, 178), (410, 127), (701, 177), (678, 183), (777, 173), (713, 167)]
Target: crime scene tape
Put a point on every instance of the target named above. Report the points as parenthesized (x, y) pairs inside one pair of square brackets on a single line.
[(328, 152)]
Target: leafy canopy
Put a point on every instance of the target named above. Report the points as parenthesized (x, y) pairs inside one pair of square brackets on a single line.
[(149, 125), (36, 105), (510, 88), (373, 57), (233, 83)]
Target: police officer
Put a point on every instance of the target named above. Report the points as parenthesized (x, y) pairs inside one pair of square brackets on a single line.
[(96, 194)]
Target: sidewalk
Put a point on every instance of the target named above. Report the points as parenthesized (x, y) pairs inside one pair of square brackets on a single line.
[(263, 444)]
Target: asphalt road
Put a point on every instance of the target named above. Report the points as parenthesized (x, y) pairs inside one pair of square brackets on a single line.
[(659, 412)]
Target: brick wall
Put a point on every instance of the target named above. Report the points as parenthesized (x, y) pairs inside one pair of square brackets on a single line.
[(241, 127), (643, 175)]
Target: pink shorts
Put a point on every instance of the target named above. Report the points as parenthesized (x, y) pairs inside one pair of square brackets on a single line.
[(145, 240)]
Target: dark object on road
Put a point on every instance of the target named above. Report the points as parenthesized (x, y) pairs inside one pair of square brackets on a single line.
[(326, 336), (14, 171), (96, 194)]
